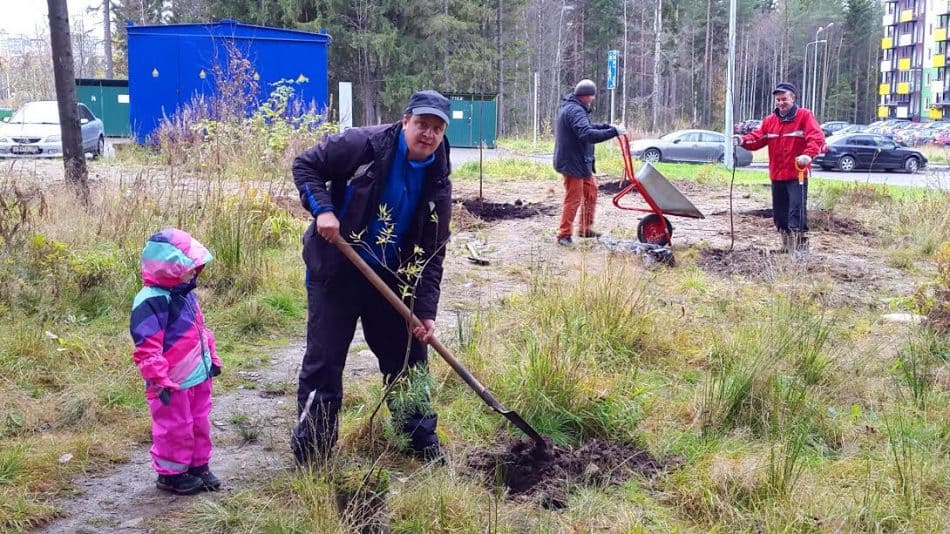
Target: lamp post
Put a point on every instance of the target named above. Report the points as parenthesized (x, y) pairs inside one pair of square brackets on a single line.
[(804, 103), (814, 78)]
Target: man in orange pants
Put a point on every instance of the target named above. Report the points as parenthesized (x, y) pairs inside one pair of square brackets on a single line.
[(574, 138)]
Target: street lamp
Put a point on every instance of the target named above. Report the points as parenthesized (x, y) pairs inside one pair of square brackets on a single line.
[(805, 71), (814, 78)]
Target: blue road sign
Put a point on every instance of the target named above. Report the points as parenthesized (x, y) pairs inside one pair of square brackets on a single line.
[(612, 58)]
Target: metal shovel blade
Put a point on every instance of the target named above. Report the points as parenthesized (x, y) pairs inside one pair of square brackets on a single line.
[(443, 351)]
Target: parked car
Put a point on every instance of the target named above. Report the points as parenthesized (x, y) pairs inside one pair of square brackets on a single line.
[(942, 138), (34, 132), (749, 126), (697, 146), (830, 127), (869, 151)]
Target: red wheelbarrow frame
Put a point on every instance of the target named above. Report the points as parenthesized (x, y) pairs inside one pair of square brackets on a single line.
[(636, 186)]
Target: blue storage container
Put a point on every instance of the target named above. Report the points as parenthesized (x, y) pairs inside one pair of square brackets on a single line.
[(170, 64)]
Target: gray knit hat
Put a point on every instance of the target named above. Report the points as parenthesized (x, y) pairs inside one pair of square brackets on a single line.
[(585, 87)]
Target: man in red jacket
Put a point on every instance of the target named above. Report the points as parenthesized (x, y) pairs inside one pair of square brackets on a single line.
[(794, 139)]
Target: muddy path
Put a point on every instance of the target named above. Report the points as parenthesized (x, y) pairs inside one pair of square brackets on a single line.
[(251, 430)]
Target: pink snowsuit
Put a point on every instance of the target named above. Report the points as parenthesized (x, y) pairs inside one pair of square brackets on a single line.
[(174, 350)]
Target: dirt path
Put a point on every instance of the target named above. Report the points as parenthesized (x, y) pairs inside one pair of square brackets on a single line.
[(126, 500)]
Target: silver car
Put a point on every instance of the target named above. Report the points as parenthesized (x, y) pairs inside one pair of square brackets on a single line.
[(698, 146), (33, 132)]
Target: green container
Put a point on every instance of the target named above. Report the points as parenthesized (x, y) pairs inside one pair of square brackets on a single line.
[(474, 119), (109, 101), (5, 112)]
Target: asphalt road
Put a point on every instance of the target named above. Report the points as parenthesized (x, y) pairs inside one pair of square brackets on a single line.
[(934, 176)]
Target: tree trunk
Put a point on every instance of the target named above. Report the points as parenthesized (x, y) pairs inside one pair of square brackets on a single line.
[(707, 65), (73, 157), (657, 41), (107, 36), (623, 80), (499, 45)]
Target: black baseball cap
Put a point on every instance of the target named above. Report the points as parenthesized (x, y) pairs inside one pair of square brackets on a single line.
[(429, 102), (785, 87)]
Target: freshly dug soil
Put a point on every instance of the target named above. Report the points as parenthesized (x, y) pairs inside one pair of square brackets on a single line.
[(546, 475), (612, 188), (494, 211)]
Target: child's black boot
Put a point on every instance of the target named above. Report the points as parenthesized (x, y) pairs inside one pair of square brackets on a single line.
[(210, 482), (181, 484)]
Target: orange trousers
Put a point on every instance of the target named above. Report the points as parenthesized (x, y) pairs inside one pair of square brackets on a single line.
[(578, 192)]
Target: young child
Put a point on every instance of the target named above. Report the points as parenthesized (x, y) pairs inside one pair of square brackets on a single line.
[(177, 358)]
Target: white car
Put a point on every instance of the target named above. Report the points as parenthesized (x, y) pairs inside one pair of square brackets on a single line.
[(33, 132)]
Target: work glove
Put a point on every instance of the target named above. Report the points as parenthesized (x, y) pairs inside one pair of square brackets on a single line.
[(621, 129), (803, 160), (215, 370), (737, 140)]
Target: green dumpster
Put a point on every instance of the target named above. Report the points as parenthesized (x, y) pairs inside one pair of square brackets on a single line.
[(5, 112), (109, 101), (473, 120)]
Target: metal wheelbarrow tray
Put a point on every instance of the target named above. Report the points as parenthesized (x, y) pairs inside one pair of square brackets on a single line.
[(661, 196)]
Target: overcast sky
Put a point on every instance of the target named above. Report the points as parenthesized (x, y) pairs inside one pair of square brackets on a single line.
[(30, 16)]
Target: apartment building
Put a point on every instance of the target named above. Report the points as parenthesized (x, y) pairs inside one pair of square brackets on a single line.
[(914, 78)]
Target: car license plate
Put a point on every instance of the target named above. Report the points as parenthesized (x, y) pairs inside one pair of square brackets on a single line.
[(22, 149)]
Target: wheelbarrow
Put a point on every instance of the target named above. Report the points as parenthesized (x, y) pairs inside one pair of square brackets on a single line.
[(660, 195)]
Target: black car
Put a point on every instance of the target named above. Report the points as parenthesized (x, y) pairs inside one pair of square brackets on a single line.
[(830, 127), (869, 151)]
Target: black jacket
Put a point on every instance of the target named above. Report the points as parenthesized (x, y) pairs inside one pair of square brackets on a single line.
[(574, 138), (351, 169)]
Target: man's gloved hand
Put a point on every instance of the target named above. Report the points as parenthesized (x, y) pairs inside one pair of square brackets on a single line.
[(737, 140), (621, 129), (215, 370), (165, 396), (803, 160)]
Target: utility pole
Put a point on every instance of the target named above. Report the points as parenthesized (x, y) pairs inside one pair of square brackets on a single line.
[(74, 159)]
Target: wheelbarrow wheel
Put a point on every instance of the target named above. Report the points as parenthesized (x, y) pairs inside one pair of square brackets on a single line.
[(650, 230)]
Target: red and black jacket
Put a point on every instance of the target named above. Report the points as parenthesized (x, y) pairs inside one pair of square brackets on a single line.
[(787, 138)]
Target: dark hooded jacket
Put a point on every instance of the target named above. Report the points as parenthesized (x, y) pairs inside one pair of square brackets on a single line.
[(346, 174), (574, 138)]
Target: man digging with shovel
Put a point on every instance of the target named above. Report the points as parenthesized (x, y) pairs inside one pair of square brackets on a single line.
[(794, 139), (390, 185)]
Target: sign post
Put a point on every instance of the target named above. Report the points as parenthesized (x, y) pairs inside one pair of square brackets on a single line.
[(612, 59)]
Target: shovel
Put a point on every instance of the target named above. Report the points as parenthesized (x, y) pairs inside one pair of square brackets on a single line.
[(414, 321)]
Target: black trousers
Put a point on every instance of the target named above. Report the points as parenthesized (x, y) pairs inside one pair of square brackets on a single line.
[(333, 310), (789, 205)]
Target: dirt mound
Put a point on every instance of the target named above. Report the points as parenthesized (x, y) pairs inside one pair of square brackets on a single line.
[(752, 263), (818, 220), (545, 476), (826, 221), (495, 211), (612, 188)]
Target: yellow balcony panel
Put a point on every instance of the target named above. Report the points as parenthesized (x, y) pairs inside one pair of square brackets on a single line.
[(884, 89), (936, 113), (939, 60), (907, 15), (940, 34), (887, 42), (883, 112), (903, 88), (903, 63)]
